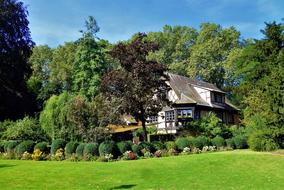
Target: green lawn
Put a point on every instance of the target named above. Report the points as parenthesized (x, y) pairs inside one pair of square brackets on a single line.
[(222, 170)]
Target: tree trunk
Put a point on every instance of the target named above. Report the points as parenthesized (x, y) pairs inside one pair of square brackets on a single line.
[(144, 130)]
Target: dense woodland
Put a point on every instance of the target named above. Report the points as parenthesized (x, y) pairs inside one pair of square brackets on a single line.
[(72, 92)]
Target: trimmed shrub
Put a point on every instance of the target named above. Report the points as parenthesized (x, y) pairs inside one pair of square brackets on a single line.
[(261, 141), (158, 145), (70, 148), (25, 146), (143, 147), (218, 142), (171, 145), (42, 146), (182, 142), (9, 146), (57, 144), (124, 146), (80, 150), (230, 143), (240, 141), (108, 147), (200, 142), (91, 149)]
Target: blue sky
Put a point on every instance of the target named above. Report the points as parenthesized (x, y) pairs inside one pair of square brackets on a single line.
[(54, 22)]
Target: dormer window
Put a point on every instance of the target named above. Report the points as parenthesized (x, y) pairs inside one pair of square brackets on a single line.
[(217, 97)]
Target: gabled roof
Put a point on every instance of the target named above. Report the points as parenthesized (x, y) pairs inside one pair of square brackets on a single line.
[(184, 89)]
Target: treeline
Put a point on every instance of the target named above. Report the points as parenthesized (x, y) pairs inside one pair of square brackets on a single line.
[(60, 88)]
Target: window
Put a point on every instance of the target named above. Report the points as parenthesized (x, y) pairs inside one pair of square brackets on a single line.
[(170, 116), (185, 113), (152, 119), (217, 97)]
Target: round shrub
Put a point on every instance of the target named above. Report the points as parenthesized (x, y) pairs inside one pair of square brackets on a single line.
[(57, 144), (158, 145), (171, 145), (182, 142), (143, 146), (218, 141), (108, 147), (134, 148), (91, 149), (200, 142), (70, 148), (260, 141), (25, 146), (42, 146), (230, 143), (10, 145), (240, 141), (80, 150), (124, 146)]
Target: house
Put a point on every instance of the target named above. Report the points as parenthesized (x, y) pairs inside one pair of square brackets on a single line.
[(192, 99)]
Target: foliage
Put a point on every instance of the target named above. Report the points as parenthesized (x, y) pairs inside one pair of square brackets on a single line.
[(201, 141), (25, 146), (80, 150), (171, 145), (182, 142), (240, 141), (262, 141), (37, 155), (91, 149), (16, 45), (70, 148), (218, 141), (59, 155), (124, 146), (137, 81), (42, 146), (209, 53), (230, 143), (108, 147), (24, 129), (9, 146), (129, 155), (158, 145), (57, 144), (26, 156)]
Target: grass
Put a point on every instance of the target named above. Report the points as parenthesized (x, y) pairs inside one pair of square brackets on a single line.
[(223, 170)]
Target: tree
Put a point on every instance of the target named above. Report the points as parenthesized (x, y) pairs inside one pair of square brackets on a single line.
[(15, 49), (139, 83), (261, 69), (89, 62), (210, 52), (174, 47), (39, 80)]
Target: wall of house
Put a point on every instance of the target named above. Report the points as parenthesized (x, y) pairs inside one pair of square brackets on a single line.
[(172, 96), (204, 94), (163, 126)]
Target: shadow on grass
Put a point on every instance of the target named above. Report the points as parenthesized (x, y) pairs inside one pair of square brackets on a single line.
[(123, 187), (6, 165)]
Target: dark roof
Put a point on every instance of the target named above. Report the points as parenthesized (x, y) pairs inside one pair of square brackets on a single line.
[(184, 89)]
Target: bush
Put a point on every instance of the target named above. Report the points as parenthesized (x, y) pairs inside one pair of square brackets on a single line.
[(57, 144), (42, 146), (200, 142), (25, 146), (158, 145), (218, 142), (108, 147), (182, 142), (59, 155), (9, 146), (80, 150), (261, 141), (124, 146), (230, 143), (91, 149), (70, 148), (240, 141), (37, 154), (171, 145)]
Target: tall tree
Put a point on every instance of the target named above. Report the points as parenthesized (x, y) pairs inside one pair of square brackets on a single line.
[(140, 83), (261, 68), (174, 47), (89, 62), (210, 52), (15, 49)]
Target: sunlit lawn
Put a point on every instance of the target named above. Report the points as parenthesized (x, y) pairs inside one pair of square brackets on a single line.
[(222, 170)]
